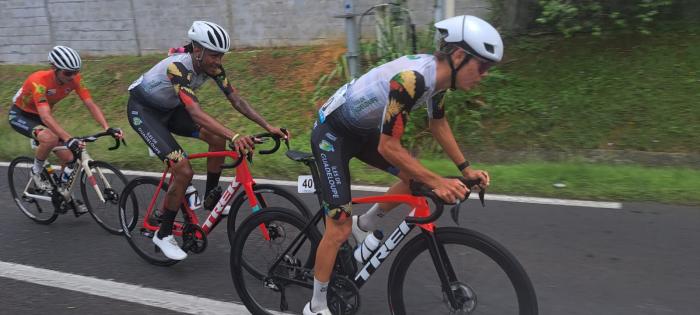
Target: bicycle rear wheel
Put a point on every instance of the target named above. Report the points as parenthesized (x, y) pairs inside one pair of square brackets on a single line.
[(266, 195), (133, 207), (39, 208), (290, 284), (106, 213), (488, 279)]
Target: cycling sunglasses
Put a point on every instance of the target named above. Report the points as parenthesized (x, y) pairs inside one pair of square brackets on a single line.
[(484, 65), (69, 73)]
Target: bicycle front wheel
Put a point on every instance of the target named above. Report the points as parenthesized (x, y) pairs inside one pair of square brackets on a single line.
[(286, 286), (110, 183), (486, 278), (34, 203), (267, 196)]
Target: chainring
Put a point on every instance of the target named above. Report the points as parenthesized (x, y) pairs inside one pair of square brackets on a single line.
[(343, 296), (190, 241)]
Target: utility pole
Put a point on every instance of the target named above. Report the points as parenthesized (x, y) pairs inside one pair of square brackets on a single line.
[(352, 55), (439, 10), (449, 8)]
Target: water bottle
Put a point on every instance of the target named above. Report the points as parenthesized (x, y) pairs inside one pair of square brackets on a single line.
[(364, 251), (51, 172), (67, 170), (192, 197)]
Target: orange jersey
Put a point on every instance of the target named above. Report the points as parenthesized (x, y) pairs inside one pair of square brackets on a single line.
[(42, 89)]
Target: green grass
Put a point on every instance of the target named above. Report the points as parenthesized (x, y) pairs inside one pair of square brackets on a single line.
[(626, 92)]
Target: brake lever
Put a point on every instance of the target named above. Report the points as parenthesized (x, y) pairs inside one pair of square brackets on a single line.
[(454, 211)]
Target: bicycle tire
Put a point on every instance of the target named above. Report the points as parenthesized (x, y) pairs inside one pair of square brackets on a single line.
[(108, 217), (15, 175), (519, 280), (139, 239), (247, 281), (241, 201)]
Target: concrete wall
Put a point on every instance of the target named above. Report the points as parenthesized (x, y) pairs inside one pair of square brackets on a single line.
[(29, 28)]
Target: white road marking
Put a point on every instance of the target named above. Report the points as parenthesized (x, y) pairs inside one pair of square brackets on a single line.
[(494, 197), (184, 303)]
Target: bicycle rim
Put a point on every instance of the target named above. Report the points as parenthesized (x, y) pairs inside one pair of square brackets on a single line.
[(252, 256), (20, 181), (133, 206), (489, 280), (267, 196), (110, 182)]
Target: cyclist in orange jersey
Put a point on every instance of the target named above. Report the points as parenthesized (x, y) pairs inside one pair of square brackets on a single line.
[(31, 111)]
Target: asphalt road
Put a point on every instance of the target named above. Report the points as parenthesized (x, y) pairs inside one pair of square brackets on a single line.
[(641, 259)]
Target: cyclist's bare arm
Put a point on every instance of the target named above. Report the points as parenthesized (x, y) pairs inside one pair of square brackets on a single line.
[(96, 113), (242, 106), (49, 121), (203, 119), (391, 149), (441, 131)]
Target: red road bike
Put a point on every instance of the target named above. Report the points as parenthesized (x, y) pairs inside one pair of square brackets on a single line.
[(144, 197)]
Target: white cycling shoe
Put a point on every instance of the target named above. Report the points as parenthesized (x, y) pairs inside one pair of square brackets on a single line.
[(307, 310), (357, 232), (169, 247)]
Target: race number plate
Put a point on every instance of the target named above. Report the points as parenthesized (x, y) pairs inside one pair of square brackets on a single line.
[(305, 184)]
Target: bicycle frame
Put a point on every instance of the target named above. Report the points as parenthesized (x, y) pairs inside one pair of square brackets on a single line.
[(420, 209), (243, 179), (82, 163)]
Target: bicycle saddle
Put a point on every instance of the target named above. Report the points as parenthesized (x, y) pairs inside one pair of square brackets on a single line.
[(299, 156)]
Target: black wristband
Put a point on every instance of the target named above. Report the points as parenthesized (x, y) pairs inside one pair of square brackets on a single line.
[(462, 166)]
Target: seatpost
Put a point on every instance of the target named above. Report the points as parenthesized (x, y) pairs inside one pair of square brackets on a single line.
[(314, 175)]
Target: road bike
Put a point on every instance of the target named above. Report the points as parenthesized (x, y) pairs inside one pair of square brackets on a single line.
[(144, 197), (100, 185), (441, 270)]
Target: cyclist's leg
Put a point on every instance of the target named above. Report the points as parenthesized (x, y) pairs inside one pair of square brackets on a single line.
[(332, 152), (182, 124), (30, 126), (372, 157), (152, 126)]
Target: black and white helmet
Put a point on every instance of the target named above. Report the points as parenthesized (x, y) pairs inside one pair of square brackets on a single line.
[(473, 34), (210, 35), (65, 58)]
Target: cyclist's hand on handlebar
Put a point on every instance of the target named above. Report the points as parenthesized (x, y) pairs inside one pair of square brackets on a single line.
[(74, 144), (450, 190), (472, 174), (283, 133), (243, 144), (116, 133)]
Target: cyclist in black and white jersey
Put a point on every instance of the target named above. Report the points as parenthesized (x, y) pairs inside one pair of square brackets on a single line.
[(366, 119), (163, 101)]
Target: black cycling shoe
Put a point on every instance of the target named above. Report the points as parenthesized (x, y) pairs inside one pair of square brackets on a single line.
[(79, 208), (212, 198)]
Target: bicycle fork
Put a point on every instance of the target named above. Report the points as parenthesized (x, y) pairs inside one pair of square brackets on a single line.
[(443, 267), (85, 163)]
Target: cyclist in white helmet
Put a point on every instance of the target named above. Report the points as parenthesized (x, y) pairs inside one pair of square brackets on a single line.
[(31, 112), (366, 119), (163, 101)]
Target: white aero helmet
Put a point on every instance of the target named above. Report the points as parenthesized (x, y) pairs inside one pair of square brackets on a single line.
[(65, 58), (473, 34), (210, 36)]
